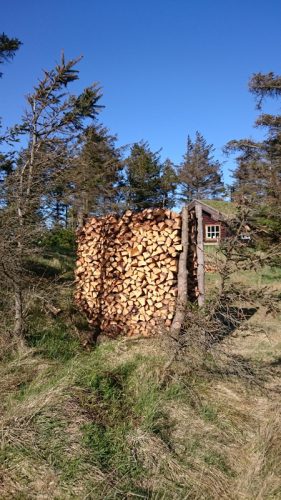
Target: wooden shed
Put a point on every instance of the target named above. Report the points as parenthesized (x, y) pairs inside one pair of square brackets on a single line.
[(136, 272), (214, 225)]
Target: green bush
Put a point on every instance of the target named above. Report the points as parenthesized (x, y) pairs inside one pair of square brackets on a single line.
[(59, 240)]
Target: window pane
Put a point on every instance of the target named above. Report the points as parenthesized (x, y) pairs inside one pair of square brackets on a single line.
[(213, 232)]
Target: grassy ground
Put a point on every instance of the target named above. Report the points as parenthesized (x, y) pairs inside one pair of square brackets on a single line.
[(260, 337), (101, 425), (106, 424)]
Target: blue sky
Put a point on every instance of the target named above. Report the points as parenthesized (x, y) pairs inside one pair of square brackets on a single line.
[(167, 67)]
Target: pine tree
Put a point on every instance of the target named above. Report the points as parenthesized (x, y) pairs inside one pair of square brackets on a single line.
[(264, 86), (199, 173), (169, 183), (51, 127), (96, 174), (143, 170), (258, 163), (8, 48), (249, 183), (257, 177)]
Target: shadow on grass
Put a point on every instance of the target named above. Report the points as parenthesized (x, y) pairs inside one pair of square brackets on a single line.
[(43, 269), (229, 318), (54, 341), (276, 362), (58, 268)]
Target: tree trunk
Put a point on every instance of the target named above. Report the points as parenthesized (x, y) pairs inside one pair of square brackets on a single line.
[(200, 255), (182, 278), (82, 211), (18, 325)]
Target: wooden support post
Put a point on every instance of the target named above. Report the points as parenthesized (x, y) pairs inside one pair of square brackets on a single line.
[(200, 255), (182, 277)]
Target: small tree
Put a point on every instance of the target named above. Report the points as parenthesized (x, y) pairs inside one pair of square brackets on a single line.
[(51, 127), (95, 174), (199, 173), (147, 179)]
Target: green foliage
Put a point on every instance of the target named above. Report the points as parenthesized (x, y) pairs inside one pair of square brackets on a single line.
[(257, 177), (200, 174), (8, 48), (149, 183), (268, 223), (265, 85), (85, 105), (96, 174), (59, 240), (50, 128), (249, 182), (169, 183)]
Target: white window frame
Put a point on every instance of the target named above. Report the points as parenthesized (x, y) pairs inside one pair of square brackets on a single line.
[(217, 237)]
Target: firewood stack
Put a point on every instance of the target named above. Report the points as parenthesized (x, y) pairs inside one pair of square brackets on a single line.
[(127, 271)]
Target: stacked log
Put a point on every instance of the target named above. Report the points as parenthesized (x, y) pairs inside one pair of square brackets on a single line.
[(126, 271)]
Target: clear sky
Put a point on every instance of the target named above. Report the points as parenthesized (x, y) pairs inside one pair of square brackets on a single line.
[(167, 67)]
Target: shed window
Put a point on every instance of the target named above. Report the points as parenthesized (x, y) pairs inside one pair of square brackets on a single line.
[(212, 232)]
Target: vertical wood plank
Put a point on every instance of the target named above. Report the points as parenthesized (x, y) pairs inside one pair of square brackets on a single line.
[(200, 255), (182, 277)]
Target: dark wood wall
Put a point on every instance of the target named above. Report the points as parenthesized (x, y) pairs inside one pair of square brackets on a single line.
[(209, 221)]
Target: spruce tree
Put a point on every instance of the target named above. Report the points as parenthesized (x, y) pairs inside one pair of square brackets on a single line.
[(143, 171), (199, 173), (257, 177), (8, 48), (169, 183), (269, 86), (50, 128), (96, 174), (249, 183)]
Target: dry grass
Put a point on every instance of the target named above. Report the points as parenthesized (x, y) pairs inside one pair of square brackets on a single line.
[(106, 424), (212, 431)]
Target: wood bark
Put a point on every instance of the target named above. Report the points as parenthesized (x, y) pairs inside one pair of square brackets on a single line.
[(182, 278), (200, 256)]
